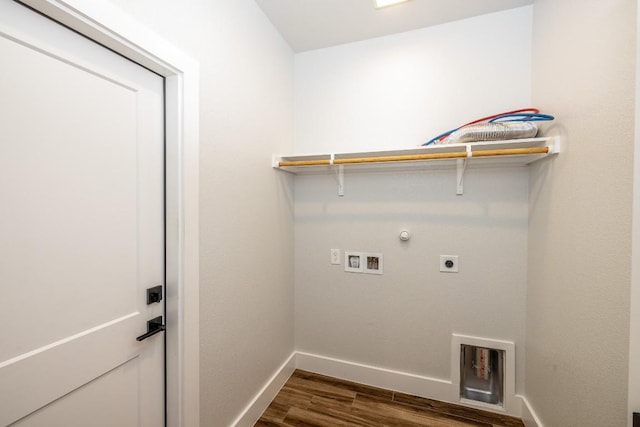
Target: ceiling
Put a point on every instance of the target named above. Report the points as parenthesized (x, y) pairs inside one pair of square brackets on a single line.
[(314, 24)]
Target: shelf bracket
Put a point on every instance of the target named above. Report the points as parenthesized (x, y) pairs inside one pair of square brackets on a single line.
[(461, 165), (340, 179)]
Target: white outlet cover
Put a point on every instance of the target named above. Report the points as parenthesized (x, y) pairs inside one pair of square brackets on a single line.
[(444, 268), (335, 256)]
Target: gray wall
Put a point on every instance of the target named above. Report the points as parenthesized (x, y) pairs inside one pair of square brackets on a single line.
[(246, 210), (403, 320), (399, 91), (580, 214)]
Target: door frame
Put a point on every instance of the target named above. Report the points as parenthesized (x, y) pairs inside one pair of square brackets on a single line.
[(113, 28), (633, 393)]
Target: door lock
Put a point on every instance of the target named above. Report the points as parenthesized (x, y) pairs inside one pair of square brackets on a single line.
[(154, 295)]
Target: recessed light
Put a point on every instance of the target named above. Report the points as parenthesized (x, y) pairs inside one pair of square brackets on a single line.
[(378, 4)]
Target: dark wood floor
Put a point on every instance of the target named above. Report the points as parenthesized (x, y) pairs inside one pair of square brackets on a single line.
[(309, 399)]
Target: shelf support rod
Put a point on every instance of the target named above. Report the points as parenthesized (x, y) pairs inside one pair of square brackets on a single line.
[(414, 157)]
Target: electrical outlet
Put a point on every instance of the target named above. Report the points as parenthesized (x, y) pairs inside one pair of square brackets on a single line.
[(335, 256), (449, 263)]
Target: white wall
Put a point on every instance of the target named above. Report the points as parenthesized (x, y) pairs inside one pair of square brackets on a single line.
[(427, 80), (399, 91), (580, 214), (393, 92), (246, 217), (403, 320)]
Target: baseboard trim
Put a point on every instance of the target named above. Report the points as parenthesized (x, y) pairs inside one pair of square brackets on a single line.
[(529, 417), (404, 382), (263, 398), (417, 385)]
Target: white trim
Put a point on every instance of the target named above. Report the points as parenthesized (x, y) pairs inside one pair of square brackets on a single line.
[(110, 26), (633, 400), (251, 414), (404, 382), (529, 417)]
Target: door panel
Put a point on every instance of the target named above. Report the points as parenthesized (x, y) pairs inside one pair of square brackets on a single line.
[(50, 215), (82, 226), (88, 405)]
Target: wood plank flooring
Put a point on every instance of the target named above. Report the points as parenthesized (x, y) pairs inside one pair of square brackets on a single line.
[(309, 399)]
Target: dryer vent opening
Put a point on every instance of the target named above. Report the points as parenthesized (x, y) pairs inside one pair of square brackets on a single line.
[(482, 374)]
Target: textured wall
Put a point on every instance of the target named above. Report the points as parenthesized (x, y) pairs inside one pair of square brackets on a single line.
[(399, 91), (403, 319), (580, 214), (246, 209)]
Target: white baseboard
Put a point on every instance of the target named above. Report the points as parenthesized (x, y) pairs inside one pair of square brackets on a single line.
[(261, 401), (378, 377), (417, 385), (529, 417)]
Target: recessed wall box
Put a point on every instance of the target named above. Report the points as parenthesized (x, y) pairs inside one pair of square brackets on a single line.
[(482, 374)]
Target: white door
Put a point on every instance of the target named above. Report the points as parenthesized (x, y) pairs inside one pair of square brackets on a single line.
[(81, 230)]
